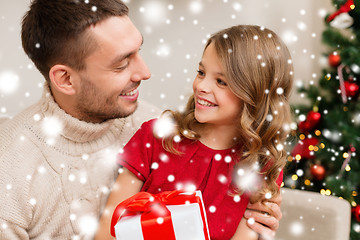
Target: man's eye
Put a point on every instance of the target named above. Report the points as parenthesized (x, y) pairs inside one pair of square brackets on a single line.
[(122, 66)]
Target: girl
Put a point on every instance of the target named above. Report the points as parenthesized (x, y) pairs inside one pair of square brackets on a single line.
[(233, 127)]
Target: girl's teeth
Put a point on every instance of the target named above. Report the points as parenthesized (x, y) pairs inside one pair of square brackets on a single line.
[(205, 103)]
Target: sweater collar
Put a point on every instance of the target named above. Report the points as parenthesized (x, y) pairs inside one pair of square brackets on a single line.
[(72, 128)]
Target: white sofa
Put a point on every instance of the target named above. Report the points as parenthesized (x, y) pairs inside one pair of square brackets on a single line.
[(312, 216)]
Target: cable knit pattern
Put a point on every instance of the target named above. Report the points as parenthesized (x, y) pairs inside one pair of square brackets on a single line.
[(55, 186)]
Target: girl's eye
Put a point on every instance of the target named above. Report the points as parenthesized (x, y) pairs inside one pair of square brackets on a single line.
[(200, 73), (221, 82)]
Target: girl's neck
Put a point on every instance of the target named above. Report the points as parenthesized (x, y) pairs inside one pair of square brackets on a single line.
[(218, 137)]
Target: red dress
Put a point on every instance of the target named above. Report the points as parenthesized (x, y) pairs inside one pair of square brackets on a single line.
[(198, 168)]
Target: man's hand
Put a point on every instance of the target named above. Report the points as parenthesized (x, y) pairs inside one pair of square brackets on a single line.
[(264, 218)]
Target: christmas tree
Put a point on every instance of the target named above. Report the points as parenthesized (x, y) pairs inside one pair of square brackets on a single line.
[(326, 155)]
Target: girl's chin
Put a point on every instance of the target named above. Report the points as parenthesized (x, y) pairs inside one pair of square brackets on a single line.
[(199, 119)]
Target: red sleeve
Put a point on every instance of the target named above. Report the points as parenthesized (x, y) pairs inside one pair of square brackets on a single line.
[(280, 178), (137, 153)]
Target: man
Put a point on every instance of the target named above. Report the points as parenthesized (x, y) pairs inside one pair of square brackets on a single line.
[(57, 156)]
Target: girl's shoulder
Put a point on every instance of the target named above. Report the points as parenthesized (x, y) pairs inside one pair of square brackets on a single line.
[(161, 127), (148, 125), (144, 133)]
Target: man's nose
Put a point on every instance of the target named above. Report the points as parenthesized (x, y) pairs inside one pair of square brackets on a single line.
[(141, 71)]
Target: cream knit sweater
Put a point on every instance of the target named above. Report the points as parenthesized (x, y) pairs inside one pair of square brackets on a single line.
[(56, 171)]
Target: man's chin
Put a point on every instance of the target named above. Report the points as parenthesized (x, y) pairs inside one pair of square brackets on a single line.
[(128, 112)]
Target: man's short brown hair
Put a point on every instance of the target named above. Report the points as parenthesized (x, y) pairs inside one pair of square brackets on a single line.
[(54, 31)]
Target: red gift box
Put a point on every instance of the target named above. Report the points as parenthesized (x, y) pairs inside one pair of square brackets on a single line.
[(172, 215)]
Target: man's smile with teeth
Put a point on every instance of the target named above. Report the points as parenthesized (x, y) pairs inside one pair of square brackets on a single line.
[(205, 103), (131, 93)]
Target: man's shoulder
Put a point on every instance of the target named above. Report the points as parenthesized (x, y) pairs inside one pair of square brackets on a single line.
[(14, 130), (9, 128), (3, 119), (19, 153)]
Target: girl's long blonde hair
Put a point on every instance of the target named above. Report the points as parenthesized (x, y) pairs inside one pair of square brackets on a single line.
[(259, 71)]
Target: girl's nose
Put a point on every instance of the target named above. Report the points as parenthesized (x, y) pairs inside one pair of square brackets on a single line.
[(203, 86)]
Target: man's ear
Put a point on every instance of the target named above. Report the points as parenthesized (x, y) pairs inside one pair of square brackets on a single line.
[(62, 78)]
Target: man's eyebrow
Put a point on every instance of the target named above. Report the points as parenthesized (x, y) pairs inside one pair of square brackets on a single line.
[(126, 55)]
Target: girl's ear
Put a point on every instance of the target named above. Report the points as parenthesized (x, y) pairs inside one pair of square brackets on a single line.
[(62, 78)]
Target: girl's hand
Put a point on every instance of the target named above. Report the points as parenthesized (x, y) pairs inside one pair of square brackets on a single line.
[(264, 218)]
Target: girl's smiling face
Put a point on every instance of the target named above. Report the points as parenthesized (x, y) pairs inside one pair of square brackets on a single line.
[(215, 103)]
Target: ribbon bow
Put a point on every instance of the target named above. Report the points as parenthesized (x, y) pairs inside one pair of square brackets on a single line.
[(155, 217)]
